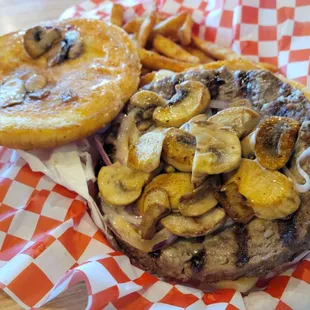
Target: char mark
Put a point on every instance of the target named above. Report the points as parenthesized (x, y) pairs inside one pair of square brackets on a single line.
[(241, 235)]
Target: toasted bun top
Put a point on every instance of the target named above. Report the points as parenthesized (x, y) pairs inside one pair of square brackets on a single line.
[(103, 77)]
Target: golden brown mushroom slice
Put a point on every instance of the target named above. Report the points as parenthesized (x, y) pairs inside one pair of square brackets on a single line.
[(156, 206), (145, 154), (179, 149), (191, 99), (189, 227), (200, 200), (218, 148), (38, 40), (240, 103), (234, 203), (120, 185), (275, 141), (241, 119), (176, 184), (270, 193), (146, 99)]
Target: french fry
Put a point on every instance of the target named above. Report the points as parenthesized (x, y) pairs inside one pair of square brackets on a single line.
[(170, 49), (199, 54), (213, 50), (147, 78), (155, 61), (133, 26), (170, 26), (185, 32), (268, 66), (146, 28), (117, 14)]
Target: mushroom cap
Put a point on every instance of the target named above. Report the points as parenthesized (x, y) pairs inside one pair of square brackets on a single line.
[(104, 77)]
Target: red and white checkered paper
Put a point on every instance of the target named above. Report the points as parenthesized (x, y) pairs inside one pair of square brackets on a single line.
[(48, 240)]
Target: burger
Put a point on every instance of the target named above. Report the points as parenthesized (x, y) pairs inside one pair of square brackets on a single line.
[(208, 182)]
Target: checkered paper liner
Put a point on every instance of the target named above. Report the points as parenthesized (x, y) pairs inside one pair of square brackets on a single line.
[(48, 240)]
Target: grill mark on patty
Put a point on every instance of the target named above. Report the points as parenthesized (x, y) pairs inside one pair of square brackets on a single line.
[(241, 235), (214, 84), (287, 230)]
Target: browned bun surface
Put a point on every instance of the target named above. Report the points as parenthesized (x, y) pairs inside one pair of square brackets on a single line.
[(103, 78)]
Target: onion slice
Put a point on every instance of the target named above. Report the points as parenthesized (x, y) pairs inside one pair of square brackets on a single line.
[(101, 150), (126, 232), (301, 188), (219, 104)]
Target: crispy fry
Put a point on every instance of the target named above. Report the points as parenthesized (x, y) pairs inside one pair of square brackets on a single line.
[(147, 78), (133, 26), (117, 14), (155, 61), (185, 32), (145, 70), (146, 28), (170, 26), (213, 50), (268, 66), (170, 49), (199, 54)]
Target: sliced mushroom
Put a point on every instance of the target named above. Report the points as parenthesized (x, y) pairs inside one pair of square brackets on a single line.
[(176, 184), (248, 145), (145, 154), (191, 98), (234, 203), (127, 233), (145, 99), (12, 92), (270, 193), (35, 82), (218, 148), (39, 94), (240, 103), (275, 141), (189, 227), (156, 206), (38, 40), (128, 134), (68, 95), (179, 149), (120, 185), (75, 44), (241, 119), (299, 164), (201, 200), (57, 53)]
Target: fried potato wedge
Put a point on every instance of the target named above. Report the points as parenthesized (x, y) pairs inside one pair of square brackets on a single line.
[(147, 78), (146, 29), (213, 50), (185, 32), (170, 49), (133, 25), (155, 61), (170, 26), (117, 14), (199, 54)]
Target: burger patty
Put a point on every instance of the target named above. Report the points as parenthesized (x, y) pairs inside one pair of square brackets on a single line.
[(267, 93), (240, 250)]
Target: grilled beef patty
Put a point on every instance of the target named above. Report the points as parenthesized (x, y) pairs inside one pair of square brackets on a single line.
[(252, 249)]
